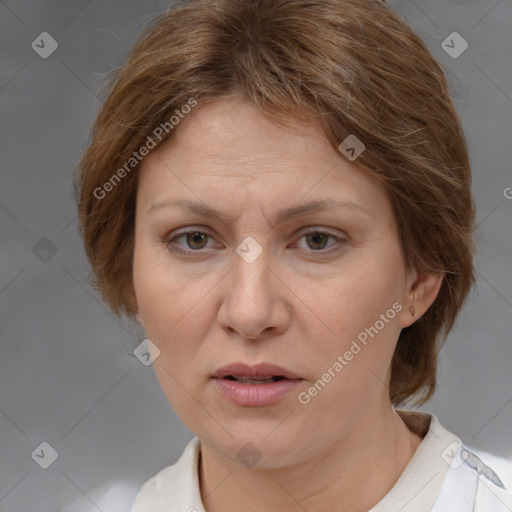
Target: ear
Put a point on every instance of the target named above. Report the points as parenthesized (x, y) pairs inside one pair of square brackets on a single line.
[(422, 293)]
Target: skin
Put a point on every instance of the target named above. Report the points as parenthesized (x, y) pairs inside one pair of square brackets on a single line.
[(299, 305)]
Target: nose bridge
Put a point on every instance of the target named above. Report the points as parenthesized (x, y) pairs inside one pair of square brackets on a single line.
[(250, 304), (250, 269)]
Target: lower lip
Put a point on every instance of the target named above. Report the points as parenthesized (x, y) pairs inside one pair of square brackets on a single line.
[(256, 395)]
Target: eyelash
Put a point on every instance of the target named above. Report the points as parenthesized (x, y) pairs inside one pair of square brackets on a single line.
[(170, 242)]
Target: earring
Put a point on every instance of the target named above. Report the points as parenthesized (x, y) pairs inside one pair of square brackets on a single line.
[(412, 310)]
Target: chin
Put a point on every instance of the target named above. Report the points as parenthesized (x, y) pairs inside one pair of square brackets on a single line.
[(258, 444)]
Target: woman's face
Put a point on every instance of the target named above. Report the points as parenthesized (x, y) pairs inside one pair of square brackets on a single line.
[(283, 297)]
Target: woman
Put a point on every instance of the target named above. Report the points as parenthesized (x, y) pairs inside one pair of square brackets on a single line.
[(279, 193)]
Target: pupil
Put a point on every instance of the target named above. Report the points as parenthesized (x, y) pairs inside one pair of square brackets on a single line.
[(193, 237), (314, 237)]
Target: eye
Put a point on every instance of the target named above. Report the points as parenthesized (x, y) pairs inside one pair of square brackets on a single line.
[(317, 240), (196, 240)]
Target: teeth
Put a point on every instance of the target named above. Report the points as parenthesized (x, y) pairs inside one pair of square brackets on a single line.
[(254, 380)]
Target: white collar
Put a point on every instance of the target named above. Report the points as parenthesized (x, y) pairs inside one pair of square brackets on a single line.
[(421, 481), (176, 487)]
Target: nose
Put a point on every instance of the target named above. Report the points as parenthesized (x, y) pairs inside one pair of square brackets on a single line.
[(254, 300)]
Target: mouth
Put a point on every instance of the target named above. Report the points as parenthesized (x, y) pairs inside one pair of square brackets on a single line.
[(254, 374), (259, 385), (254, 380)]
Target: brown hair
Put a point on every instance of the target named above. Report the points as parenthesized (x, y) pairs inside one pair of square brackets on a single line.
[(352, 63)]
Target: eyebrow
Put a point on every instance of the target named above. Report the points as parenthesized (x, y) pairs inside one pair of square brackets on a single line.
[(282, 216)]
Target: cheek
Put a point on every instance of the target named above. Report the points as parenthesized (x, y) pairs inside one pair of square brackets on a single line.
[(169, 305), (355, 299), (164, 292), (174, 317), (361, 312), (352, 369)]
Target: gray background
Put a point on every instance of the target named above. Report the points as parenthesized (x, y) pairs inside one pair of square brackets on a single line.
[(66, 376)]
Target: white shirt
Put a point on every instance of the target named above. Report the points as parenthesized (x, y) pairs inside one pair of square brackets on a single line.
[(442, 476)]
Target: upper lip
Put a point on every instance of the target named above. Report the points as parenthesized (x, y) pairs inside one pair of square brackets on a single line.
[(257, 370)]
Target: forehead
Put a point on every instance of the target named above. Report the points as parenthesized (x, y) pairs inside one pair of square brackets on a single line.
[(228, 151), (231, 131)]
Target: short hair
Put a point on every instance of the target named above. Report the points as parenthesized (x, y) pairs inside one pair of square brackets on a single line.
[(353, 64)]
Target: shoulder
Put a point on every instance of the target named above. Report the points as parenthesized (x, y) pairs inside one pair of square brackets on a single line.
[(456, 478), (174, 487), (472, 485)]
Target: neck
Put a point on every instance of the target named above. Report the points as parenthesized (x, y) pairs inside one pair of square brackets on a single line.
[(354, 474)]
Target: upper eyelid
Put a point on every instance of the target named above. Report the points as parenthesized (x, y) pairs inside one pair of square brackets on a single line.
[(301, 232)]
